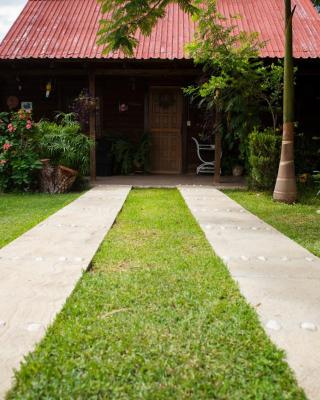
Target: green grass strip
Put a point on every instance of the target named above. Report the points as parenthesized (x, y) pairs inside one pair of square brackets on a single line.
[(21, 212), (300, 221), (158, 317)]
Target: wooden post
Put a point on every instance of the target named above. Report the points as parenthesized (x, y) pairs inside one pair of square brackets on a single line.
[(92, 126), (218, 148)]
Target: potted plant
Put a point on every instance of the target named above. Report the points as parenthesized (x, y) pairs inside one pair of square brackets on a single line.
[(123, 152)]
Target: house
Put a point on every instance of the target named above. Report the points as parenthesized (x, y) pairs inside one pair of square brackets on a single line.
[(50, 54)]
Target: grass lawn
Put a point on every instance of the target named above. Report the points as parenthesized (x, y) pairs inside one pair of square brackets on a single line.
[(157, 317), (300, 221), (20, 212)]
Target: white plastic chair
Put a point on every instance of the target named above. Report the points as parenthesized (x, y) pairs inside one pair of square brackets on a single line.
[(316, 173), (206, 167)]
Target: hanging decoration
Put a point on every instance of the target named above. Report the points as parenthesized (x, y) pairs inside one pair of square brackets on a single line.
[(48, 89), (123, 107)]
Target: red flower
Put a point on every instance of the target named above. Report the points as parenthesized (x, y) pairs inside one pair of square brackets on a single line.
[(11, 128), (29, 124), (2, 162), (6, 146)]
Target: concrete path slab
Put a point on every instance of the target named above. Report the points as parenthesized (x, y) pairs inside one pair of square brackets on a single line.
[(39, 270), (278, 277)]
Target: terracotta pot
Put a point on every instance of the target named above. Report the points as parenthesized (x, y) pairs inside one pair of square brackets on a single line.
[(56, 179)]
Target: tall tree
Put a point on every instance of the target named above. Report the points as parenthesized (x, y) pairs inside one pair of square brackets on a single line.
[(286, 188)]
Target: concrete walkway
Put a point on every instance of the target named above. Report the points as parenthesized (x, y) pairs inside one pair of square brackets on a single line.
[(39, 270), (279, 278)]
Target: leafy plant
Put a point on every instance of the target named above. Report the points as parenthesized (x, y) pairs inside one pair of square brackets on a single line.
[(129, 157), (63, 142), (19, 160), (141, 159), (264, 154), (123, 153), (122, 19)]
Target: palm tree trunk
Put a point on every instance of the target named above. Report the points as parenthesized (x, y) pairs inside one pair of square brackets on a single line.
[(286, 188)]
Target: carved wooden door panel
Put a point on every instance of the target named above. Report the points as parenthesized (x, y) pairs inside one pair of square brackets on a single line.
[(165, 119)]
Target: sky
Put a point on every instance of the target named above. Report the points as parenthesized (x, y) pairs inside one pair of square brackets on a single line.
[(9, 10)]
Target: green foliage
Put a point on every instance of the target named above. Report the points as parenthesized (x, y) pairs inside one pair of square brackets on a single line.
[(141, 159), (19, 159), (157, 317), (270, 91), (122, 20), (64, 144), (264, 154), (129, 156), (122, 151), (235, 82)]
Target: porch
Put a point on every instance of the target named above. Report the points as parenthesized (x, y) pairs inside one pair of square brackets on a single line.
[(132, 99), (170, 180)]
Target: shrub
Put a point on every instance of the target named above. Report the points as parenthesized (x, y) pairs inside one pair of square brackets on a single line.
[(264, 154), (123, 152), (129, 157), (64, 144), (19, 159)]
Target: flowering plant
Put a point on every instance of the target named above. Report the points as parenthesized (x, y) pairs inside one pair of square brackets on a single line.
[(18, 154)]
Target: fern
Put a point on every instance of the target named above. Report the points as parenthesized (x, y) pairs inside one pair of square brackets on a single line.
[(63, 142)]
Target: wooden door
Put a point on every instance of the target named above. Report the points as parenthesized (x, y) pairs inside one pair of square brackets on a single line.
[(165, 119)]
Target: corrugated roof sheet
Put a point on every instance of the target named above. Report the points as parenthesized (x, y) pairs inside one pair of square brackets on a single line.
[(67, 29)]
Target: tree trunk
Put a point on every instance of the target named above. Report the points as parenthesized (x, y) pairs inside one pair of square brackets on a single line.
[(286, 188)]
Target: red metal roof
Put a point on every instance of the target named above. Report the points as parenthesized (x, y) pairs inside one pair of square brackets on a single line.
[(67, 29)]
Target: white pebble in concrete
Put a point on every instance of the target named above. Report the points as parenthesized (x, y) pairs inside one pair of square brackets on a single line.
[(273, 325), (309, 326), (33, 327)]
